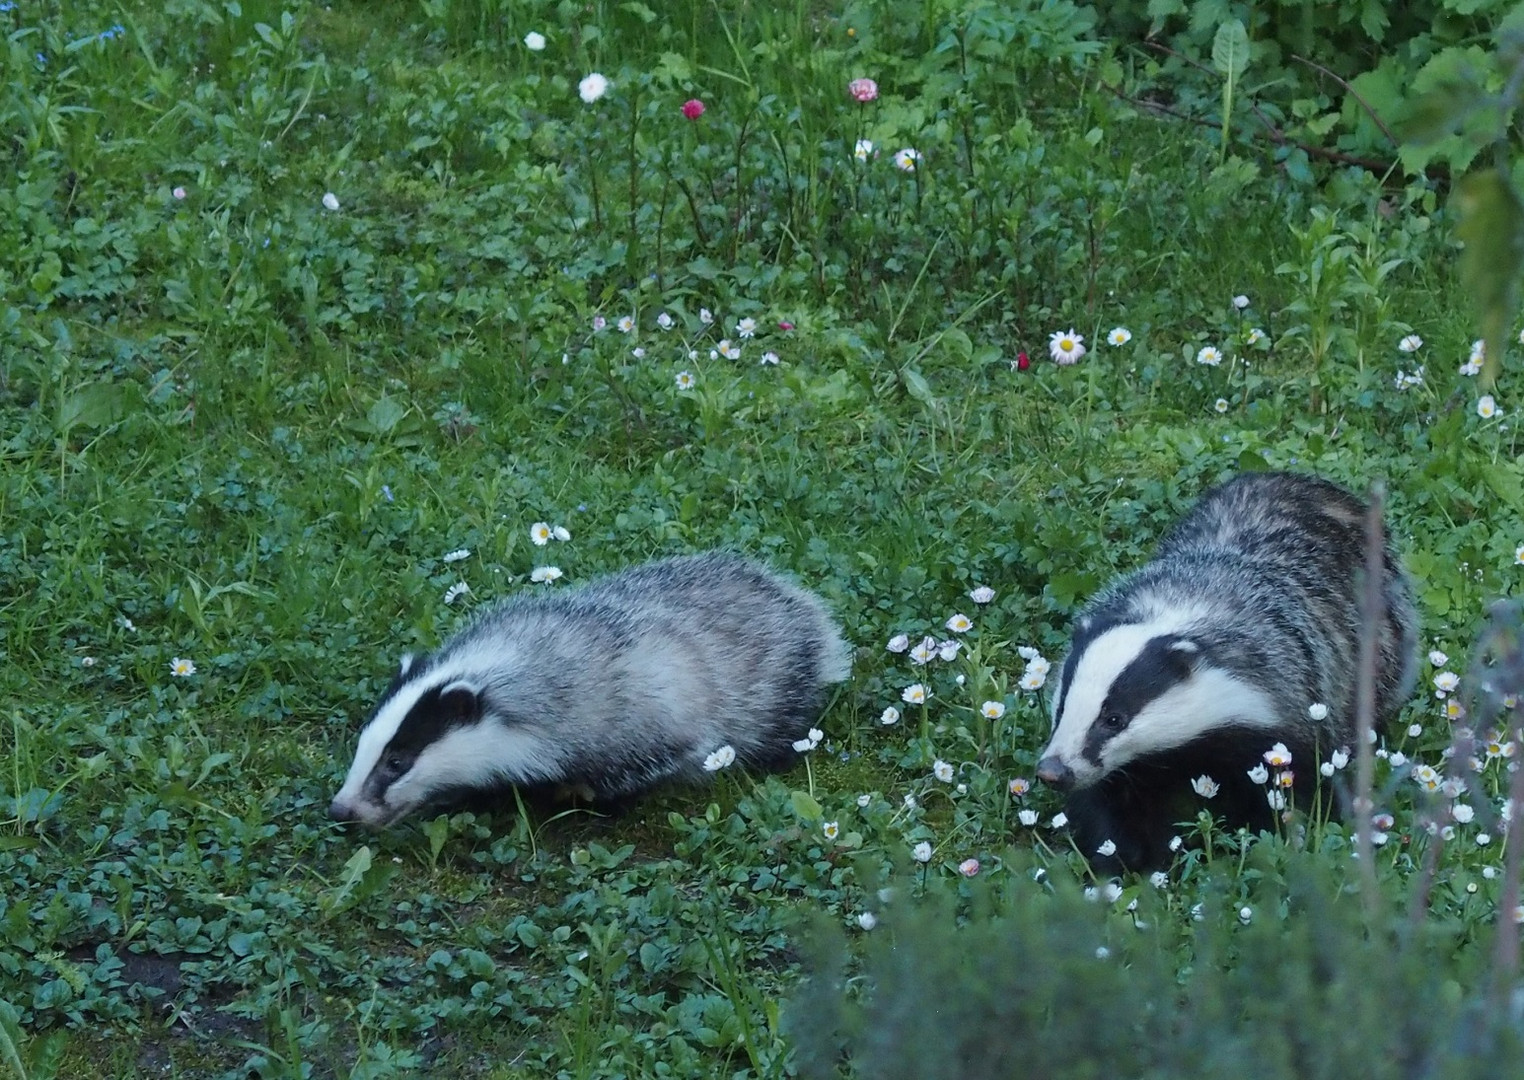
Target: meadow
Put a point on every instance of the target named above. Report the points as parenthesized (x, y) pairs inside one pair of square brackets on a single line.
[(312, 315)]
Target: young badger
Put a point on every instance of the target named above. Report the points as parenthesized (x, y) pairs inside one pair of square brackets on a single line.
[(1200, 661), (608, 689)]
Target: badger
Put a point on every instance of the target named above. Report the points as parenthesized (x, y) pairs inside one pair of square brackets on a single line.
[(605, 690), (1203, 659)]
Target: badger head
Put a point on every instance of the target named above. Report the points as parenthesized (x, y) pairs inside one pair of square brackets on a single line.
[(1132, 690), (435, 736)]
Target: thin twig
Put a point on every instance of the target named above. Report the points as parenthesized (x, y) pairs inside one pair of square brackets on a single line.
[(1371, 614), (1352, 92), (1505, 961)]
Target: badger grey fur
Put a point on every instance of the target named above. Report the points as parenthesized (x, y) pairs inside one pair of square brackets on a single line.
[(607, 689), (1197, 663)]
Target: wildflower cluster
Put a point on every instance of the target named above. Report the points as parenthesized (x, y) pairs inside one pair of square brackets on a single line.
[(696, 337), (1036, 673), (541, 533), (1274, 770)]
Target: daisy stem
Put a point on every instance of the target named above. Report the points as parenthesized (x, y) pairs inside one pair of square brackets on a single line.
[(632, 257), (857, 174), (916, 176), (661, 224), (592, 173)]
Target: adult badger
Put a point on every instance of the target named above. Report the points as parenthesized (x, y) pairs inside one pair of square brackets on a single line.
[(607, 690), (1200, 661)]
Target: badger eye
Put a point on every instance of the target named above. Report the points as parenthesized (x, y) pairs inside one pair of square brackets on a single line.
[(1113, 722), (395, 763)]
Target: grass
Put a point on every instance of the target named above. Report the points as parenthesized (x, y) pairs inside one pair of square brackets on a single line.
[(241, 428)]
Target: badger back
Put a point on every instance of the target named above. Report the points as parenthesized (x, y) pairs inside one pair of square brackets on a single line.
[(611, 688), (1307, 535)]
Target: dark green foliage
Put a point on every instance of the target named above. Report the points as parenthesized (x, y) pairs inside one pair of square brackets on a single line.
[(1043, 982), (1340, 82)]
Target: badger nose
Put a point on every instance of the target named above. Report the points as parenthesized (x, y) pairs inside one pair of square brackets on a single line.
[(1050, 770), (340, 811)]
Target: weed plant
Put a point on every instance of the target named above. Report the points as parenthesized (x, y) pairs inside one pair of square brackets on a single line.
[(299, 303)]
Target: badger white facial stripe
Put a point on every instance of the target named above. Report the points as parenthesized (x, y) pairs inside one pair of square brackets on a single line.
[(374, 739), (1210, 701), (1096, 669)]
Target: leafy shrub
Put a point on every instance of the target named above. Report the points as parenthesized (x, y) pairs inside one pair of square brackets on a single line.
[(1295, 984)]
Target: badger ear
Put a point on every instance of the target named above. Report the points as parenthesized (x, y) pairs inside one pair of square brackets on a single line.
[(460, 701), (1183, 653), (405, 664)]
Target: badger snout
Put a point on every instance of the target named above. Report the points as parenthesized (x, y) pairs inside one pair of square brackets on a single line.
[(341, 811), (1051, 770)]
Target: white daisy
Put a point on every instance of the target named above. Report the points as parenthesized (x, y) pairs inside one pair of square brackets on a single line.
[(721, 758), (592, 88), (1066, 347)]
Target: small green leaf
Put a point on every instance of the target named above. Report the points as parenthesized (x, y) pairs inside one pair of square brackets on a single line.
[(1252, 461), (385, 414), (916, 386), (93, 406), (211, 763), (1230, 49), (805, 806)]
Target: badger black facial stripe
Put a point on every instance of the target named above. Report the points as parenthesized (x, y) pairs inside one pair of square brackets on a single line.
[(1163, 663), (432, 717), (1160, 665)]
